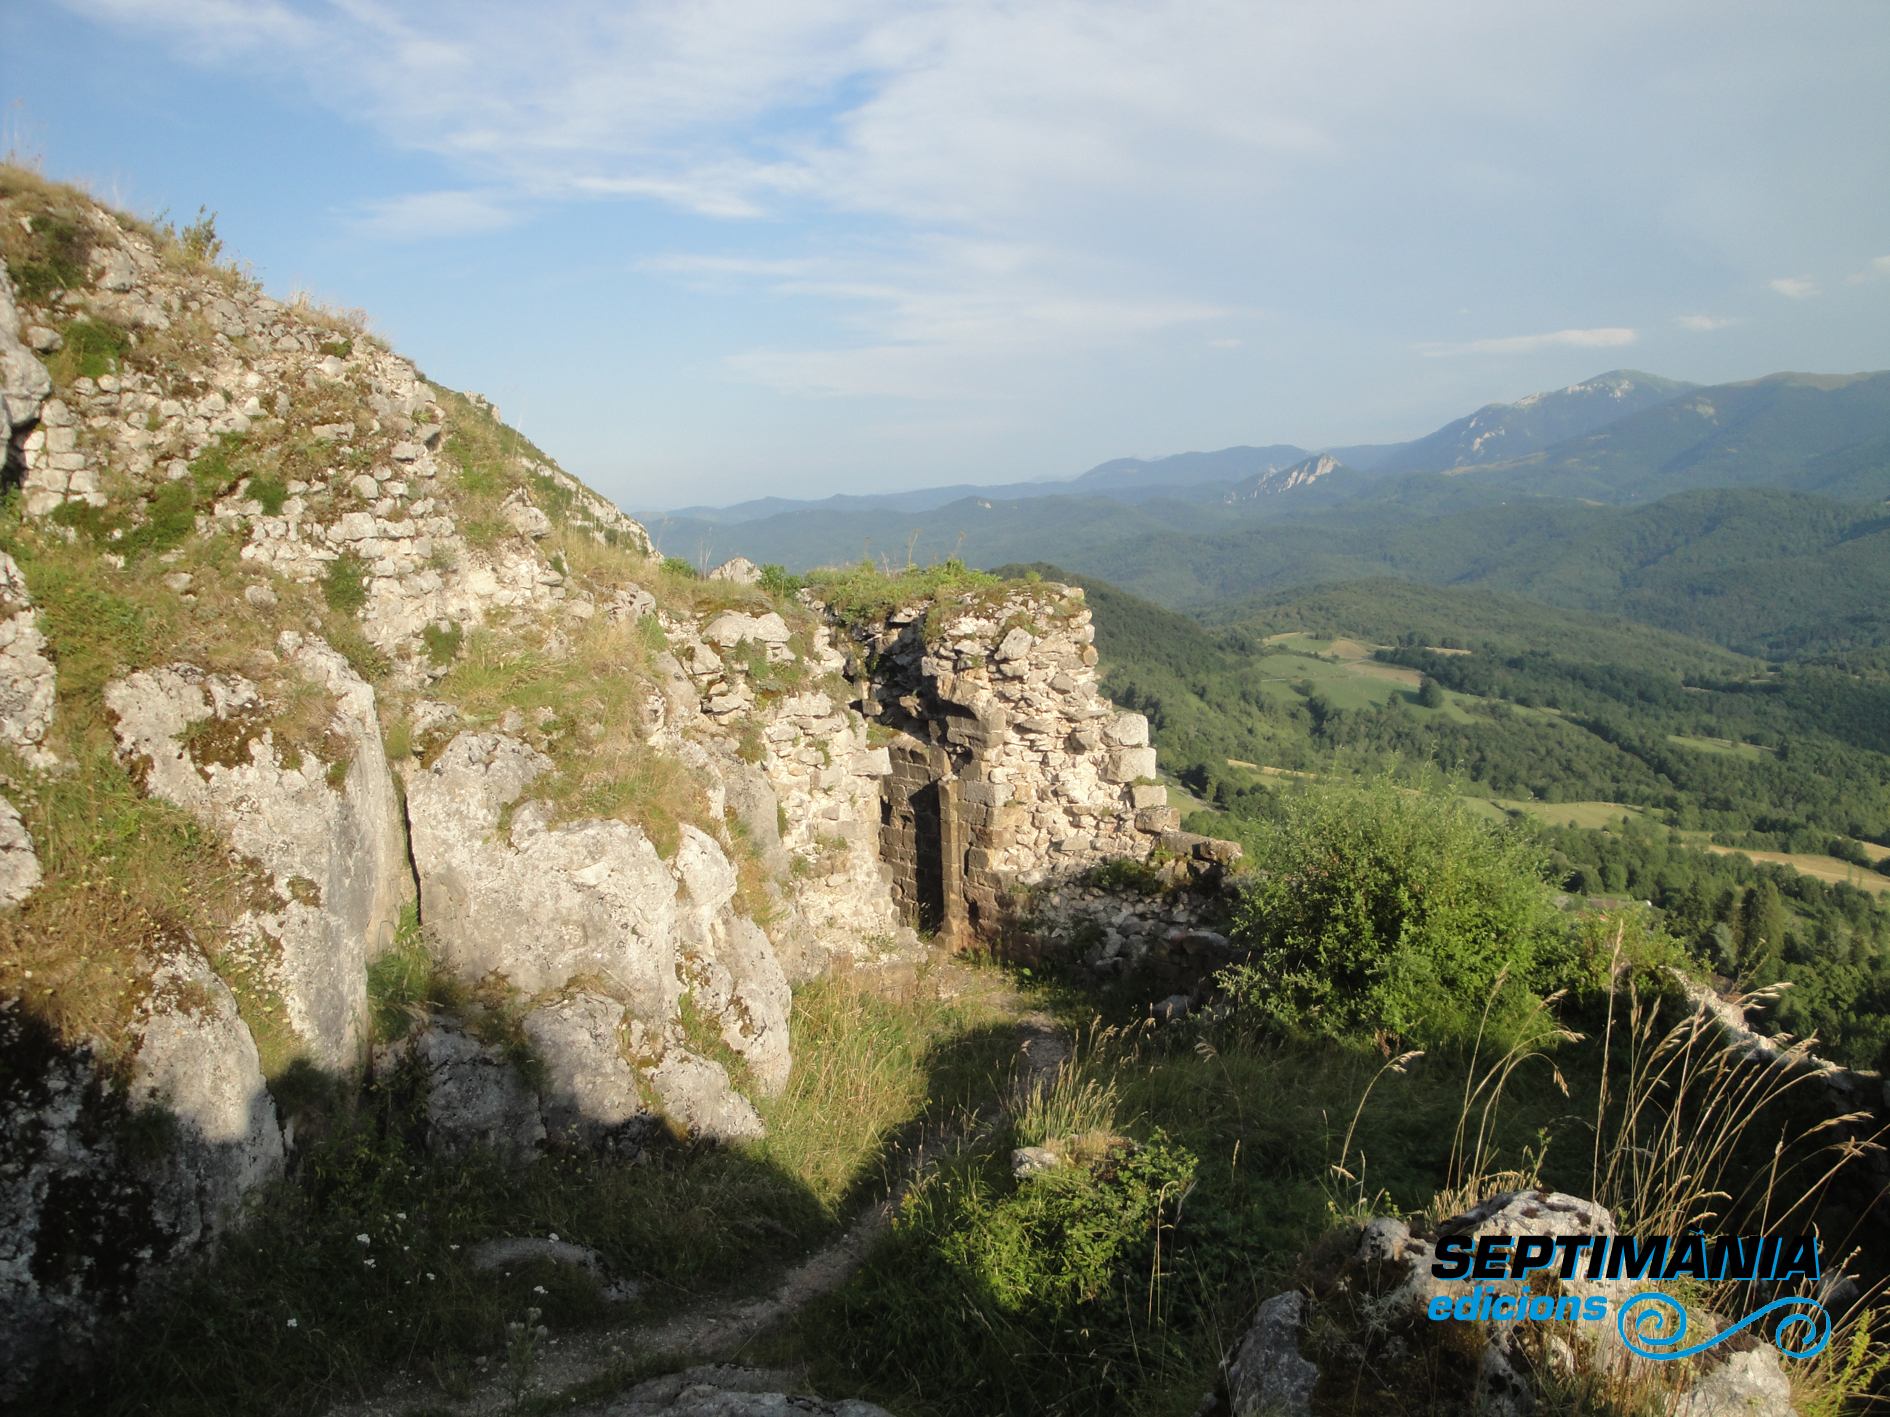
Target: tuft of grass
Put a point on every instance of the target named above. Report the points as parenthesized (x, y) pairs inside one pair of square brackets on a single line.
[(92, 348), (344, 584), (442, 643), (128, 879)]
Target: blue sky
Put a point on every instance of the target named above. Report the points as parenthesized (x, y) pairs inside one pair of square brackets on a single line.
[(704, 250)]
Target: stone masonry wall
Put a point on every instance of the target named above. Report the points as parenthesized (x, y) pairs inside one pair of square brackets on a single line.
[(1009, 770)]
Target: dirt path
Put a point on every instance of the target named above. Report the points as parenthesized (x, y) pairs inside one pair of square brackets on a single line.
[(717, 1329)]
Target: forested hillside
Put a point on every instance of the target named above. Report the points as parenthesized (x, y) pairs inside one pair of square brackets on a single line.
[(1635, 751)]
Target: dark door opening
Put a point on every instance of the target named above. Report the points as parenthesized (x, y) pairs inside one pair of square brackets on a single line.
[(928, 865)]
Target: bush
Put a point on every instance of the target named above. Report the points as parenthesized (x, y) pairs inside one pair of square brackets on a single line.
[(344, 584), (442, 642), (1389, 913), (1041, 1288)]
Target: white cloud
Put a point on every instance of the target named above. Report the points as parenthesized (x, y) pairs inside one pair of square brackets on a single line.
[(425, 215), (957, 343), (1708, 322), (1529, 344), (1795, 288), (1876, 270)]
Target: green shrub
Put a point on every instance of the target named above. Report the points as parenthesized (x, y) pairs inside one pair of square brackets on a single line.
[(442, 642), (270, 492), (93, 348), (355, 647), (61, 250), (344, 584), (1041, 1288), (778, 580), (1389, 912), (676, 566)]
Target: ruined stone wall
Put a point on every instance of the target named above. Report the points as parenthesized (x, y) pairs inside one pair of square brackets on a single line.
[(1008, 769)]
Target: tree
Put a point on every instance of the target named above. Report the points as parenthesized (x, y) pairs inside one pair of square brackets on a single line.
[(1765, 925), (1431, 693)]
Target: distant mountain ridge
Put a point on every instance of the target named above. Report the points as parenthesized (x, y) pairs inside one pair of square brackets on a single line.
[(1318, 468), (1759, 432), (1499, 432), (1493, 433)]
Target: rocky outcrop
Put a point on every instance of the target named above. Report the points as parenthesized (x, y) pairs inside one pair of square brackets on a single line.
[(589, 907), (476, 1099), (1267, 1374), (320, 819), (1359, 1328), (101, 1185), (730, 1391), (24, 385), (27, 676), (19, 863), (197, 1066), (540, 904), (592, 1096)]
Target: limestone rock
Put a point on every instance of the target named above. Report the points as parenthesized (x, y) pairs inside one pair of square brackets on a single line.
[(590, 1096), (476, 1100), (1030, 1160), (82, 1221), (754, 1022), (739, 569), (1749, 1384), (58, 1153), (732, 627), (334, 852), (27, 676), (735, 978), (630, 604), (197, 1061), (542, 904), (728, 1391), (751, 797), (526, 519), (1267, 1375), (24, 382), (19, 863), (696, 1096)]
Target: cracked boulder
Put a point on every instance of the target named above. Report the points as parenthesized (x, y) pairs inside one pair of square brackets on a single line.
[(321, 821), (592, 1096), (540, 904)]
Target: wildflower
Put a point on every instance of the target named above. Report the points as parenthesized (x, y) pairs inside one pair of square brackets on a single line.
[(368, 1263), (538, 1289), (400, 1215), (362, 1240), (430, 1274), (291, 1323)]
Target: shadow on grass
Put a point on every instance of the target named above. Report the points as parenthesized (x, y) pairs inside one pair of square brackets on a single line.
[(359, 1265)]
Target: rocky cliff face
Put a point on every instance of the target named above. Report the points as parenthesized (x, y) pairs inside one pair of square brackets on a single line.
[(429, 693)]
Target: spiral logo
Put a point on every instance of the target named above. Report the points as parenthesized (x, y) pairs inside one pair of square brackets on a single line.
[(1646, 1319)]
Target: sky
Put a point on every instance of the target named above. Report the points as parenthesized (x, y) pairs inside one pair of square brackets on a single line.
[(707, 250)]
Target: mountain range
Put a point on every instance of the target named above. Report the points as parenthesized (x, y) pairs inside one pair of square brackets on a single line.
[(1781, 462), (1493, 433)]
